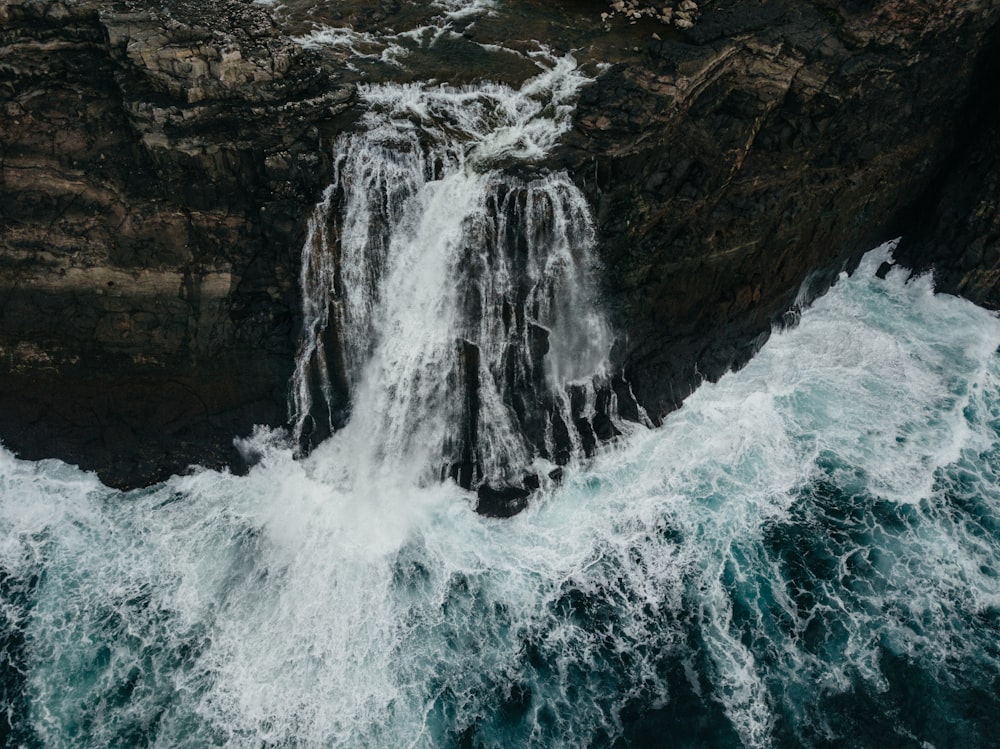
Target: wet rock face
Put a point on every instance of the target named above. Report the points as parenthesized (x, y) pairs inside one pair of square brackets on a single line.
[(770, 146), (960, 241), (157, 167), (501, 503), (957, 223)]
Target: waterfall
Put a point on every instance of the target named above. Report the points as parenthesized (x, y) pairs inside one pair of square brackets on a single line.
[(450, 319)]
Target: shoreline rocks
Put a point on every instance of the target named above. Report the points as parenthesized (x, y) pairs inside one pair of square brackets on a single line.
[(156, 171), (737, 172)]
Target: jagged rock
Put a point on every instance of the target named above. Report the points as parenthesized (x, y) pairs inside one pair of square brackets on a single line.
[(775, 143), (464, 466), (156, 169), (502, 502), (956, 227), (683, 20)]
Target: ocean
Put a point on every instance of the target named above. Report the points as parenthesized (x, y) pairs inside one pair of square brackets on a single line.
[(805, 554)]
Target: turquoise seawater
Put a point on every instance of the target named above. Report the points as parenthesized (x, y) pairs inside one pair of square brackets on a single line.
[(806, 554)]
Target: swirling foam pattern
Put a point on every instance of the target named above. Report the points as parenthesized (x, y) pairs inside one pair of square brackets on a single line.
[(806, 554)]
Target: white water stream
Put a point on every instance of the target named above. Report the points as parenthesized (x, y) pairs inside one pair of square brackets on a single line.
[(441, 236)]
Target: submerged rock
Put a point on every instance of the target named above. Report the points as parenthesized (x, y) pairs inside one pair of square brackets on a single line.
[(502, 502)]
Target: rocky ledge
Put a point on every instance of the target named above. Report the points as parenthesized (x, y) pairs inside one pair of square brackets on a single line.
[(157, 168)]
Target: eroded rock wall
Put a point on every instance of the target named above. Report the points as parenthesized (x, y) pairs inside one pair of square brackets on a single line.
[(155, 174), (955, 227), (764, 150), (157, 168)]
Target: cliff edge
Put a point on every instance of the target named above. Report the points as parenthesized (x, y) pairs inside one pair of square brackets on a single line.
[(157, 169)]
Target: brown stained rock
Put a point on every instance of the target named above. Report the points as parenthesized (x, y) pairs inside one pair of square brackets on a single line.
[(155, 176)]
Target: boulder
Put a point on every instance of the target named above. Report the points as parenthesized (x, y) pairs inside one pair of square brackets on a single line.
[(501, 502)]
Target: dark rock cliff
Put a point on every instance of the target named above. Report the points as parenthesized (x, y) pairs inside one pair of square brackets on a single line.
[(955, 227), (157, 169), (766, 149)]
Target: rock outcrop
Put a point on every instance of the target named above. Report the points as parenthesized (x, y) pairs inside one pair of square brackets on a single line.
[(955, 228), (155, 174), (157, 168), (755, 158)]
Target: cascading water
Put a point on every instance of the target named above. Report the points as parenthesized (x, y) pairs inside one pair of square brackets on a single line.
[(446, 283)]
